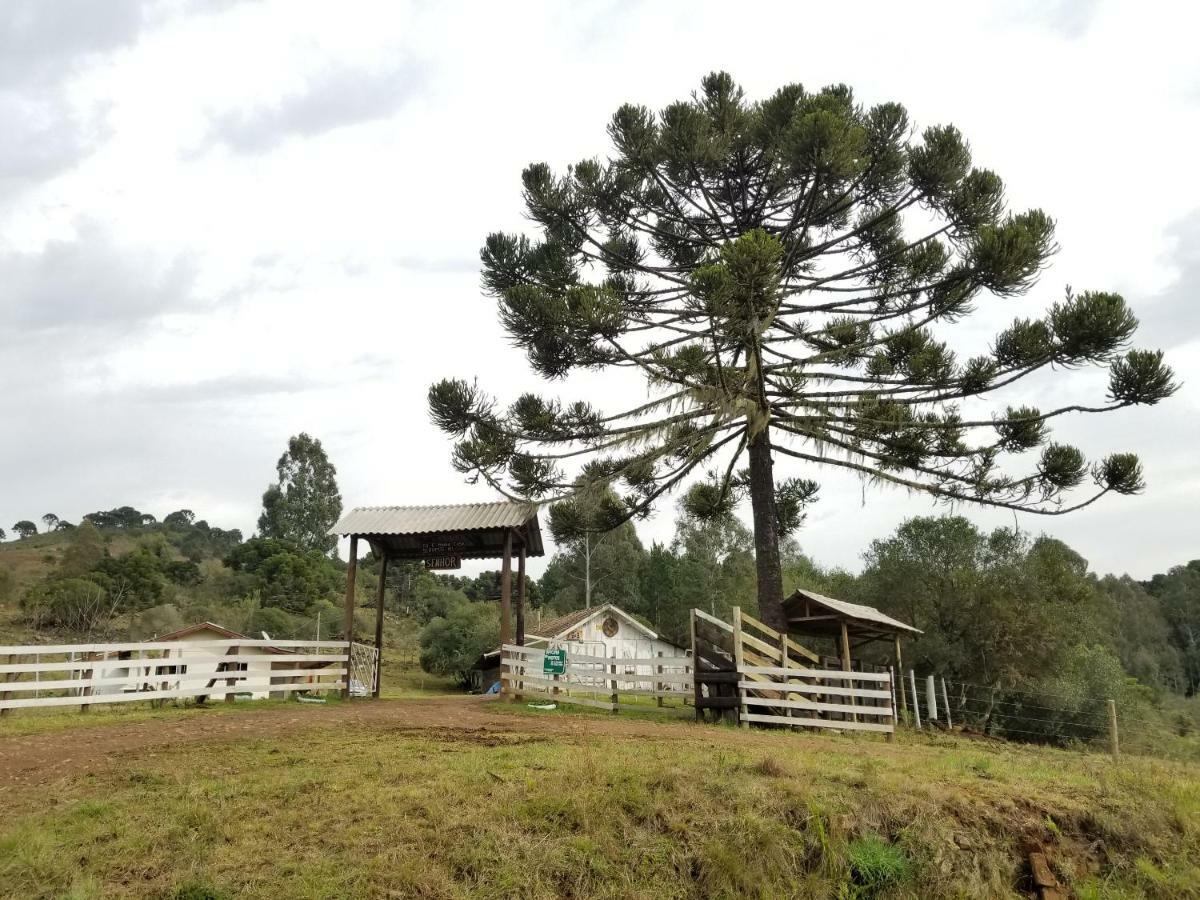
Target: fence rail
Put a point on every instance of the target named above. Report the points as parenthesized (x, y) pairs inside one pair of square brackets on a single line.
[(597, 681), (48, 675)]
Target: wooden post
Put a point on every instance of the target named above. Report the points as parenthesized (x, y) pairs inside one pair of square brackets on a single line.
[(946, 704), (658, 687), (379, 597), (8, 676), (616, 699), (931, 699), (697, 687), (1114, 745), (900, 670), (506, 592), (743, 707), (348, 617), (912, 679), (521, 595), (892, 690), (846, 664), (231, 683), (783, 664)]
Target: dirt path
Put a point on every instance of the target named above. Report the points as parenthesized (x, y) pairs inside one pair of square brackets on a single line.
[(41, 758)]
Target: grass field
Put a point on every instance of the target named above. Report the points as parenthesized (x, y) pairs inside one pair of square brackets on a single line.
[(461, 798)]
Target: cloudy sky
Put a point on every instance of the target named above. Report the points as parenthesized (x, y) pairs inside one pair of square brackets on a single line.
[(224, 222)]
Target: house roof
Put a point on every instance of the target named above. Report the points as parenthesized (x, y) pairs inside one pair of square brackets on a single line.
[(224, 632), (867, 618), (561, 625), (196, 629), (472, 530)]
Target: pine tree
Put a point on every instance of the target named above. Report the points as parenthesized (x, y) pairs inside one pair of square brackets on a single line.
[(785, 275)]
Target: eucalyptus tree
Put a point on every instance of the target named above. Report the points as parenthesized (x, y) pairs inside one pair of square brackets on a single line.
[(305, 502), (786, 275)]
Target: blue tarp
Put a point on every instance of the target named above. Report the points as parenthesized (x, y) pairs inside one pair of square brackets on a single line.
[(494, 689)]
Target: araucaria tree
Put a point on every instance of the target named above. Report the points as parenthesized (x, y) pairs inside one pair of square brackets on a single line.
[(305, 503), (786, 274)]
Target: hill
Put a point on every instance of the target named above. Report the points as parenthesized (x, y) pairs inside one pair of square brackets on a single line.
[(454, 797)]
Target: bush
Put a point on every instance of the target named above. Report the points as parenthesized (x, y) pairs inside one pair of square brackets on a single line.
[(76, 604), (451, 644)]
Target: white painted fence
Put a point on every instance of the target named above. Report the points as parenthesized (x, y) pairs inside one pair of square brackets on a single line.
[(86, 674), (597, 681), (817, 698)]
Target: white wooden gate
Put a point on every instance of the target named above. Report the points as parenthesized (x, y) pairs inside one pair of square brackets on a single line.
[(598, 681)]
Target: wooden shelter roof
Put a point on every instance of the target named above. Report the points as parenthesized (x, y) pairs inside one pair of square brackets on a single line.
[(467, 530), (811, 613)]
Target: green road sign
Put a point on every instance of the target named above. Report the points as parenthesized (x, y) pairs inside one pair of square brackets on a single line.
[(555, 662)]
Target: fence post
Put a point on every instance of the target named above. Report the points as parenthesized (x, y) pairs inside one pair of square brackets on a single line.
[(743, 709), (7, 677), (946, 703), (658, 688), (231, 683), (783, 664), (1113, 743), (697, 687), (616, 699), (912, 680), (931, 699), (891, 737)]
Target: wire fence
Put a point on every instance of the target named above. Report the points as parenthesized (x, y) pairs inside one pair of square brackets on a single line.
[(1060, 718)]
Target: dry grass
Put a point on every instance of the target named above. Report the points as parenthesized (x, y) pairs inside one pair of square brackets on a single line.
[(565, 808)]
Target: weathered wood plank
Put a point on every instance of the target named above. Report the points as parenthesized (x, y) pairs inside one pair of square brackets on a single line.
[(819, 723)]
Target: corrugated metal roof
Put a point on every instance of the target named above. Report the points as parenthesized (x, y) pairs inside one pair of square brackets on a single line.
[(429, 519), (855, 611)]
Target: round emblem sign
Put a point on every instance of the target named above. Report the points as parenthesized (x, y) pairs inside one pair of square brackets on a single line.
[(609, 627)]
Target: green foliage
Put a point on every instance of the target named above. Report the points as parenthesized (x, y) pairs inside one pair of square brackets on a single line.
[(25, 529), (451, 643), (8, 585), (305, 502), (74, 604), (84, 551), (761, 265), (876, 865), (283, 575)]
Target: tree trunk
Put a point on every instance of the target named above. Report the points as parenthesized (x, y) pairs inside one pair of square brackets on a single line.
[(766, 532)]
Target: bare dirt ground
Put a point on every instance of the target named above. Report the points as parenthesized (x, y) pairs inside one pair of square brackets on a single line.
[(33, 759)]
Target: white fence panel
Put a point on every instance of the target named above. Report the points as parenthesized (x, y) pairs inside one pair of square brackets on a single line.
[(588, 678), (87, 674), (866, 698)]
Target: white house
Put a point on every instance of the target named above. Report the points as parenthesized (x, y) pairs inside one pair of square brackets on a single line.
[(605, 630)]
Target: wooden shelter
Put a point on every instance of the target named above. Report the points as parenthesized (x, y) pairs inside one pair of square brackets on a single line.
[(851, 625), (442, 537)]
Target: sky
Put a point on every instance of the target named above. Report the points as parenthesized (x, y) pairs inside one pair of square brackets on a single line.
[(223, 223)]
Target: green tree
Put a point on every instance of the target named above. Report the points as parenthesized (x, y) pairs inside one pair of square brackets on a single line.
[(50, 520), (305, 502), (996, 609), (74, 604), (283, 575), (715, 567), (85, 549), (775, 270), (25, 529), (3, 535), (1179, 593), (451, 643)]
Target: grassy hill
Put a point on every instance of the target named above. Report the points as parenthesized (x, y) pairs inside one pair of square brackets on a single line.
[(461, 799)]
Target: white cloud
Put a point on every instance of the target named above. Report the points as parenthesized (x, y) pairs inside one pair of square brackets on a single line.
[(236, 221)]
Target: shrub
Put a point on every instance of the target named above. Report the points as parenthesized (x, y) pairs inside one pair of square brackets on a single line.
[(876, 864)]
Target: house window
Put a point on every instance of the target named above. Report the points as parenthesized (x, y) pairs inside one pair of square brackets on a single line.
[(576, 635)]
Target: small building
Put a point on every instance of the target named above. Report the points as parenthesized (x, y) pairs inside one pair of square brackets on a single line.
[(605, 630)]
